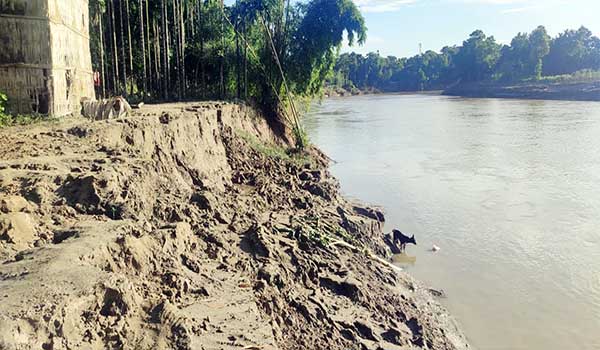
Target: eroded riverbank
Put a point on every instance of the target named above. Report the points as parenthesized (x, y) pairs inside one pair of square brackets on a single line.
[(189, 226)]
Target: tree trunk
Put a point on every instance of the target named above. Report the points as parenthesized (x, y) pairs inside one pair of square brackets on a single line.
[(143, 42), (176, 44), (245, 60), (202, 72), (123, 59), (156, 44), (286, 29), (149, 48), (182, 50), (165, 35), (129, 44), (116, 76), (238, 67), (222, 64), (103, 82)]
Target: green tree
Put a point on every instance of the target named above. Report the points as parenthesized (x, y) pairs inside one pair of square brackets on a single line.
[(477, 57), (514, 59), (539, 42), (318, 38), (571, 51)]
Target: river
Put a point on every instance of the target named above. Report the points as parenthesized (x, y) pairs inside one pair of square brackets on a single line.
[(508, 189)]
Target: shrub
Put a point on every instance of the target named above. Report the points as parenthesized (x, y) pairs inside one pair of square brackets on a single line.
[(4, 119), (582, 76), (3, 100), (19, 119)]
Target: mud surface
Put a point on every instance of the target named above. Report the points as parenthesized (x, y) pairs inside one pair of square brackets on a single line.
[(188, 226)]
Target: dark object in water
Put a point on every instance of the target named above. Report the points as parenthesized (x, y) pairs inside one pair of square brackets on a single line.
[(437, 293), (389, 240), (397, 241), (399, 237)]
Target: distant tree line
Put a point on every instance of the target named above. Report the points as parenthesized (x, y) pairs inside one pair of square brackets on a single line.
[(530, 56)]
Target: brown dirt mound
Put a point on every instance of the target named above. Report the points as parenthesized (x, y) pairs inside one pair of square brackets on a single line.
[(190, 226)]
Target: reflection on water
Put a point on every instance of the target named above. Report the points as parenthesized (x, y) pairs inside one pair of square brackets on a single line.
[(509, 189), (404, 260)]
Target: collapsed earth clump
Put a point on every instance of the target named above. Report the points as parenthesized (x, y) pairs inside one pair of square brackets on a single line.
[(190, 226)]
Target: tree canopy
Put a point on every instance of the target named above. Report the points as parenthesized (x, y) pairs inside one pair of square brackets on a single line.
[(530, 56), (183, 49), (571, 51)]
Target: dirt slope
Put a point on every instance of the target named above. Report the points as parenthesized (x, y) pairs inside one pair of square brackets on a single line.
[(186, 226)]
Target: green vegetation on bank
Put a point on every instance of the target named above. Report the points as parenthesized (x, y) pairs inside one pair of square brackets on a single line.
[(7, 120), (267, 50), (573, 56), (4, 118), (19, 119), (275, 151), (582, 76)]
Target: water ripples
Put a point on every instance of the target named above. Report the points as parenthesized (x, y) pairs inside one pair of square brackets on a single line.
[(509, 189)]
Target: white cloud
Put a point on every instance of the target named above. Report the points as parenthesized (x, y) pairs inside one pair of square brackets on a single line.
[(373, 39), (515, 6), (506, 6), (519, 9), (494, 2), (382, 5)]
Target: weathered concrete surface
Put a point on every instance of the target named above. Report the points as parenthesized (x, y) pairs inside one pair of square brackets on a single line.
[(45, 60)]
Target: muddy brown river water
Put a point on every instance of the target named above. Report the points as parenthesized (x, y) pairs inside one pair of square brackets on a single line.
[(508, 189)]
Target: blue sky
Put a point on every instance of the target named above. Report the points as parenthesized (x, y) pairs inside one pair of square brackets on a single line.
[(396, 27)]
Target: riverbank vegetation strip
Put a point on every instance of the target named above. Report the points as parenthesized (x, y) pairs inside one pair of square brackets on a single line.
[(571, 57)]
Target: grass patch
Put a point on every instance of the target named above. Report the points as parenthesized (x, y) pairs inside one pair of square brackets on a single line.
[(287, 154), (322, 232), (345, 236), (582, 76), (7, 120)]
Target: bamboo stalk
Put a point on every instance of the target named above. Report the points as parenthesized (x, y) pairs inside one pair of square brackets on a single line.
[(296, 119), (129, 43), (143, 42), (103, 82)]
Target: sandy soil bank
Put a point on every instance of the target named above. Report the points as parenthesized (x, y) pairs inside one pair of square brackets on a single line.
[(188, 226)]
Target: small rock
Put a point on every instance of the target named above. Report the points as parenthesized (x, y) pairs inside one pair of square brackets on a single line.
[(365, 330), (437, 293), (12, 204), (17, 228), (165, 118), (393, 336), (204, 200)]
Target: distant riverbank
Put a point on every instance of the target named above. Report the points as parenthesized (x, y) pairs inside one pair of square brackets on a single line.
[(335, 91), (589, 91), (341, 92)]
